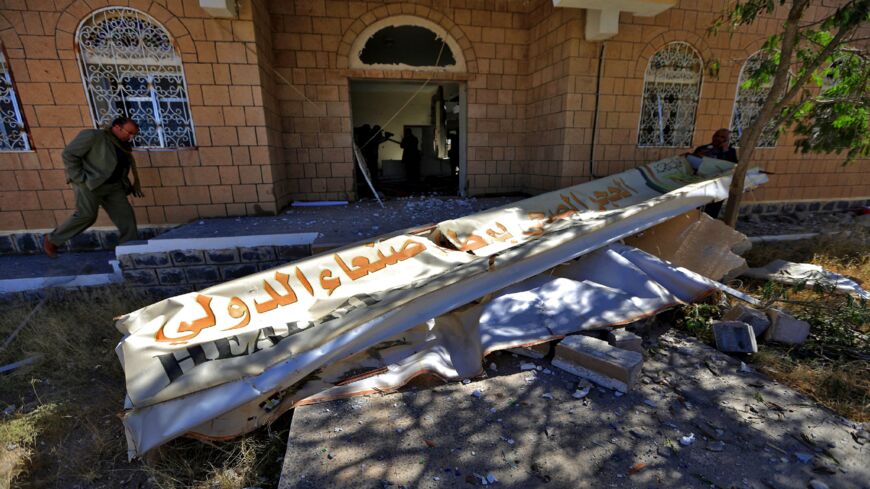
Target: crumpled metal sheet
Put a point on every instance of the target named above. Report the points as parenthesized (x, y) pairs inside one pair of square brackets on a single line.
[(225, 360), (808, 274)]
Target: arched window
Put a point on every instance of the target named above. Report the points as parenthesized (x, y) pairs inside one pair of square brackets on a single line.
[(748, 102), (406, 43), (671, 88), (13, 135), (130, 67), (410, 45)]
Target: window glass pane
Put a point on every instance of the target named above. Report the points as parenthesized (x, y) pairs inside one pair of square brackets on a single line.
[(747, 105), (12, 134), (672, 86), (130, 67)]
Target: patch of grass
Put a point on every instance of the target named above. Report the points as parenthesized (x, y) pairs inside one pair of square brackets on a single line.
[(66, 424), (846, 254), (253, 460), (18, 436)]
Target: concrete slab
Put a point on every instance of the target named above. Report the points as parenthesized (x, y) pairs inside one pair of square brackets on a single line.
[(526, 430), (20, 273), (29, 266)]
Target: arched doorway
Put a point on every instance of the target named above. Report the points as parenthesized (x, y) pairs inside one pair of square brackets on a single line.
[(411, 133)]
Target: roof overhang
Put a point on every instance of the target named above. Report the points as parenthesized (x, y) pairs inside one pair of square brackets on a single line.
[(602, 16)]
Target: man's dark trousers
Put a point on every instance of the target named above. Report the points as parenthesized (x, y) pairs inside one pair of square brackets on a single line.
[(109, 196)]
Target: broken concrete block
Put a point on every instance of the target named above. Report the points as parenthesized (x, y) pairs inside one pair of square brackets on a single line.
[(536, 352), (753, 317), (785, 329), (625, 340), (734, 337), (599, 362)]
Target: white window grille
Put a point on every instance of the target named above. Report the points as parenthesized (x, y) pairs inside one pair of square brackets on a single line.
[(671, 89), (13, 135), (747, 105), (130, 67)]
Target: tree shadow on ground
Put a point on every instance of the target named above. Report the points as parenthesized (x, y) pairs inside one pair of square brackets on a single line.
[(527, 431)]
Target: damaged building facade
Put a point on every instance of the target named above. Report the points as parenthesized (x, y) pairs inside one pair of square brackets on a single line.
[(247, 106)]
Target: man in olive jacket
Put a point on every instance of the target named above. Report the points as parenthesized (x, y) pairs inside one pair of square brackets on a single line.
[(97, 164)]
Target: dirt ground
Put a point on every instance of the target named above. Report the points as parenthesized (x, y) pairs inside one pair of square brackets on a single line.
[(59, 423), (526, 430)]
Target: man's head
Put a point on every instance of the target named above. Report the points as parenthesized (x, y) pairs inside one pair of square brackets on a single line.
[(721, 137), (124, 128)]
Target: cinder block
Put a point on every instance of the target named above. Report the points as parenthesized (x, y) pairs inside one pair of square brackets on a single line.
[(753, 317), (625, 340), (219, 257), (599, 362), (230, 272), (537, 352), (257, 254), (140, 277), (199, 275), (187, 257), (786, 329), (171, 276), (150, 260), (734, 337)]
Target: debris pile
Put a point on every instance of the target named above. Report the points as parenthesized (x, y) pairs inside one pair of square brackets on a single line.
[(370, 317)]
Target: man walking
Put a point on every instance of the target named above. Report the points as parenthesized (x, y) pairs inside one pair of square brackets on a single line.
[(97, 164)]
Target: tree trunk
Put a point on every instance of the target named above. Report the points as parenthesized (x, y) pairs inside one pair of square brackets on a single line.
[(774, 99)]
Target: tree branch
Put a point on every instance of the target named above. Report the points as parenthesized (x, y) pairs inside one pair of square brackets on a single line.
[(810, 68)]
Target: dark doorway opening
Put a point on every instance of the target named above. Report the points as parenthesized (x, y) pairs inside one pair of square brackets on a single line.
[(409, 134)]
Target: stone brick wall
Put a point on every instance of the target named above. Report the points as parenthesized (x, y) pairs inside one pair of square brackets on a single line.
[(795, 177), (531, 82), (228, 173), (261, 142), (187, 270)]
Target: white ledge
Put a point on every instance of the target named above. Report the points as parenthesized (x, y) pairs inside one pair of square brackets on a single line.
[(602, 16), (221, 9)]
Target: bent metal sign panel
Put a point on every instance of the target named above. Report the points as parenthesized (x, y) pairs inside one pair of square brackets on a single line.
[(219, 344)]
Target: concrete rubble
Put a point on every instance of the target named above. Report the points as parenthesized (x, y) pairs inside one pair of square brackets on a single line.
[(698, 242), (785, 329), (734, 337), (753, 317), (737, 432), (626, 340), (599, 362)]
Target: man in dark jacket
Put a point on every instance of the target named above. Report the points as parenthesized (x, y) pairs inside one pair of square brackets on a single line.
[(97, 164), (718, 147)]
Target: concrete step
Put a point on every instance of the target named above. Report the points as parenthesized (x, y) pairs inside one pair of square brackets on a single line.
[(21, 273)]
